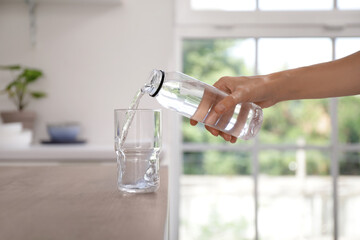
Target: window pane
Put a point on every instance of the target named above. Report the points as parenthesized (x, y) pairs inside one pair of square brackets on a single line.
[(223, 5), (277, 54), (348, 4), (349, 119), (210, 59), (295, 5), (214, 205), (349, 196), (295, 200), (348, 107), (217, 163), (301, 122), (307, 121), (346, 46)]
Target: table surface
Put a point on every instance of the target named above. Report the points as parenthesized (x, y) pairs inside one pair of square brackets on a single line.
[(77, 202)]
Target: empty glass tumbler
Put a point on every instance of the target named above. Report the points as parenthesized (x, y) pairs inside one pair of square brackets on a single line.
[(137, 147)]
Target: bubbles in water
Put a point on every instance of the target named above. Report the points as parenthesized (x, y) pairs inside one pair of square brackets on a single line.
[(150, 173)]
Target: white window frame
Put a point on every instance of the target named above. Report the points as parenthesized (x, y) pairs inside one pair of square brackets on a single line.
[(191, 24), (184, 15)]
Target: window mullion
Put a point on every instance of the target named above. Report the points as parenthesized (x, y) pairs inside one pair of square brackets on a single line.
[(334, 155), (255, 153), (334, 163), (175, 164)]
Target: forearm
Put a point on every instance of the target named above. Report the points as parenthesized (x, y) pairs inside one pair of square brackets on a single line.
[(330, 79)]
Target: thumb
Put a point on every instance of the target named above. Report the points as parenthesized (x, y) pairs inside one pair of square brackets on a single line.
[(227, 104)]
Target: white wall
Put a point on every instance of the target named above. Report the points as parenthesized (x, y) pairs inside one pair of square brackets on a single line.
[(95, 57)]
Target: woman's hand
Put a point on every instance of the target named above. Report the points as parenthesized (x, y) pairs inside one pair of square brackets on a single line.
[(256, 89), (331, 79)]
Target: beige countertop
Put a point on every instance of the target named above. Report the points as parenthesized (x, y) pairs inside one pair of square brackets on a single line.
[(58, 153), (77, 202)]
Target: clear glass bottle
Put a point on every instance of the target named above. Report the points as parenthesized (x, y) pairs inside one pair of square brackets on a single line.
[(194, 99)]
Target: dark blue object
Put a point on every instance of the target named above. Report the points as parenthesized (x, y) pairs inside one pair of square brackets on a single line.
[(77, 141), (63, 133)]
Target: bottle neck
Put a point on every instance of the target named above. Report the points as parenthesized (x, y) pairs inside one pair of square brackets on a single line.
[(156, 81)]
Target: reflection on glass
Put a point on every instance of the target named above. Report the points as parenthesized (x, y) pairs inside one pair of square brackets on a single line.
[(295, 200), (348, 4), (214, 205), (276, 54), (223, 5), (298, 5), (349, 196), (210, 59)]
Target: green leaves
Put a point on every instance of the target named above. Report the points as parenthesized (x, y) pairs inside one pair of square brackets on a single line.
[(10, 85), (38, 94), (17, 90), (10, 67), (30, 75)]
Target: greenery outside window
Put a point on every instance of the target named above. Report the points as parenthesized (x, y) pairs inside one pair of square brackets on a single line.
[(294, 180)]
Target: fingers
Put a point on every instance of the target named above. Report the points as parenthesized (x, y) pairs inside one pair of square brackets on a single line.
[(228, 137), (224, 108), (265, 104), (241, 120), (216, 110), (225, 119), (207, 101), (222, 124), (238, 125), (225, 105), (213, 131), (205, 104), (220, 118), (193, 122), (225, 136), (233, 139)]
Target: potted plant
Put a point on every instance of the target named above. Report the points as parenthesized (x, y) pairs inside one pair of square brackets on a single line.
[(19, 93)]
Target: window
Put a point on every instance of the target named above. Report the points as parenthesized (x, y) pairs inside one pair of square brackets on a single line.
[(349, 160), (227, 5), (295, 5), (298, 178), (348, 4)]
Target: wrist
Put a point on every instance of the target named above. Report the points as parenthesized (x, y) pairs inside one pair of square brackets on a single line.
[(284, 84), (275, 84)]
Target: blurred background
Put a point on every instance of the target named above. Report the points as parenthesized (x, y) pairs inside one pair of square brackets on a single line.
[(94, 55), (299, 179)]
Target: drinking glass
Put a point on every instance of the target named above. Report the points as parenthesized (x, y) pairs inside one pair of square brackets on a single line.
[(137, 147)]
